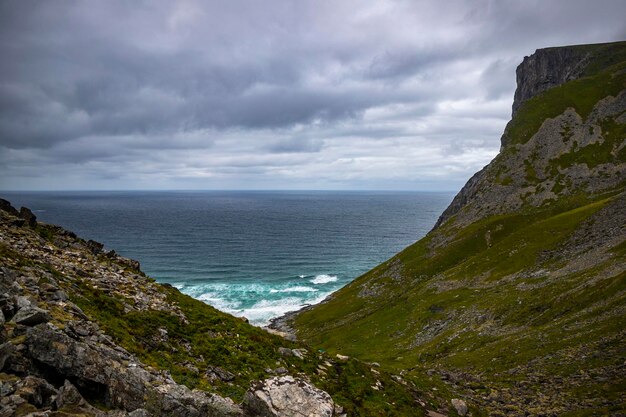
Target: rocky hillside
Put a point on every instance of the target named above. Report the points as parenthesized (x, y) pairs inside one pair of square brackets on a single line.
[(83, 332), (516, 300)]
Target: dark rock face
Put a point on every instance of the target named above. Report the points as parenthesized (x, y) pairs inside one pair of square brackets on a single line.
[(527, 174), (97, 366), (548, 68), (6, 206), (28, 216), (95, 247)]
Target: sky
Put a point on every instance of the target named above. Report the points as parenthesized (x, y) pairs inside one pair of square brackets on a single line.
[(363, 95)]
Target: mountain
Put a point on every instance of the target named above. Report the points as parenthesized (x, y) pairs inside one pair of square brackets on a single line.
[(84, 332), (516, 300)]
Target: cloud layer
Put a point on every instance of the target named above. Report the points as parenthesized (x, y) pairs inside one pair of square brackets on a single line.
[(281, 94)]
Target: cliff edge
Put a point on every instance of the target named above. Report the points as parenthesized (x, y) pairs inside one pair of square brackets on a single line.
[(515, 301)]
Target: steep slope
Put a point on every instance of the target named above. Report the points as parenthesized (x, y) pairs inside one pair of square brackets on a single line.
[(84, 332), (517, 298)]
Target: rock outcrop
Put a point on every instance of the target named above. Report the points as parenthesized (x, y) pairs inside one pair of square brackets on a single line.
[(533, 168), (548, 68), (286, 396)]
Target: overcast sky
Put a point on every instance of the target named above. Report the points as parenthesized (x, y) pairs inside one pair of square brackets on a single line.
[(268, 94)]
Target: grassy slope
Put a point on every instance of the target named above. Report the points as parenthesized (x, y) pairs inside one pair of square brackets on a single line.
[(493, 307)]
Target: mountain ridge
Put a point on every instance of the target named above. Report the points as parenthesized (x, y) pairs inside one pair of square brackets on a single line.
[(527, 259)]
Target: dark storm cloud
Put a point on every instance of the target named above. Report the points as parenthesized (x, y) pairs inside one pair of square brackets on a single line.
[(199, 90)]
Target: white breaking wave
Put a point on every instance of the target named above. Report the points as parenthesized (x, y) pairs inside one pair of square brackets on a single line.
[(258, 301), (295, 289), (324, 279), (260, 313)]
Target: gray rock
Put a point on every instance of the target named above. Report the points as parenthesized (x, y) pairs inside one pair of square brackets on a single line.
[(31, 316), (128, 387), (280, 371), (6, 350), (215, 372), (23, 302), (284, 351), (36, 391), (547, 68), (69, 396), (93, 364), (287, 396), (140, 412), (178, 400), (298, 353), (459, 406)]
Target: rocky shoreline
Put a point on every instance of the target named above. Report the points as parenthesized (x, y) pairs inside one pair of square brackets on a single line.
[(55, 361), (84, 332)]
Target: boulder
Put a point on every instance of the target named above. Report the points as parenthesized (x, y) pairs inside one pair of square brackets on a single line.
[(70, 398), (92, 364), (31, 316), (95, 247), (178, 400), (112, 374), (28, 216), (459, 406), (298, 353), (286, 396), (215, 372), (36, 391), (6, 206), (6, 350)]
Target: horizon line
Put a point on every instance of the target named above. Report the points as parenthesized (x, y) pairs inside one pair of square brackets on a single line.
[(225, 190)]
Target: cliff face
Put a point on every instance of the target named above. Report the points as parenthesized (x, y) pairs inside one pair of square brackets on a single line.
[(548, 68), (551, 67), (512, 299), (534, 167)]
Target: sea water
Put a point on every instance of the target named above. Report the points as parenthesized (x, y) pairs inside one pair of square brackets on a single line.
[(253, 254)]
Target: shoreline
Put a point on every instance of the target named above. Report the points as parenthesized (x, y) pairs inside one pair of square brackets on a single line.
[(281, 325)]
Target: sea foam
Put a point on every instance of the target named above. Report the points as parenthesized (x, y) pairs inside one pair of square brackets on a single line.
[(295, 289), (323, 279)]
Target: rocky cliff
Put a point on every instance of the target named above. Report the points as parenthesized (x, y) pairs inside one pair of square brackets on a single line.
[(551, 67), (84, 332), (514, 300), (539, 168)]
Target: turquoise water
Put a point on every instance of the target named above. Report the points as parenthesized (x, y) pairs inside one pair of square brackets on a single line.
[(252, 254)]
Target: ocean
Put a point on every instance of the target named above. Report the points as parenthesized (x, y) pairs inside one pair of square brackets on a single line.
[(256, 254)]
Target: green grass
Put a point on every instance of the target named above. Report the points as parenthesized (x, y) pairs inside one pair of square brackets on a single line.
[(484, 323)]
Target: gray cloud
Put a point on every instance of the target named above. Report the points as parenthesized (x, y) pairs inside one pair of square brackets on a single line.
[(285, 94)]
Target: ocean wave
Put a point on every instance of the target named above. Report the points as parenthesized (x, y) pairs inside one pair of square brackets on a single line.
[(294, 289), (260, 301), (260, 313), (323, 279)]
